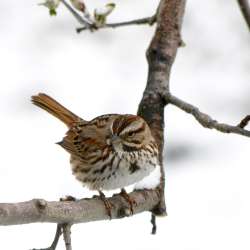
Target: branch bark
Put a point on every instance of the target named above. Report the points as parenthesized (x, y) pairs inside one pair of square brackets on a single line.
[(160, 55), (72, 212), (245, 9), (56, 239)]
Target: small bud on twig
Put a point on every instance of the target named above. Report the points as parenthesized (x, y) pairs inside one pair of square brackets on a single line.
[(79, 5), (52, 5), (100, 14)]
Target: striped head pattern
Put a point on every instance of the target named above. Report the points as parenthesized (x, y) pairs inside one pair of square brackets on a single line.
[(130, 133)]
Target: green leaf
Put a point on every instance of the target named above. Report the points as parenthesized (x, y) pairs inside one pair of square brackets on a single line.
[(52, 12)]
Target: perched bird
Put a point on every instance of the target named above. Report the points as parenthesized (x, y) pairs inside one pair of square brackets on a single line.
[(109, 152)]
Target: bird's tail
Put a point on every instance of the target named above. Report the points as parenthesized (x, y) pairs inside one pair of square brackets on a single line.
[(56, 109)]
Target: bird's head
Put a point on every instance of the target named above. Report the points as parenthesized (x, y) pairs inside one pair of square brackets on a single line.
[(129, 133)]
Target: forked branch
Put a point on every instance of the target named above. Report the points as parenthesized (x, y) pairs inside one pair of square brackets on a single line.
[(146, 20), (89, 24)]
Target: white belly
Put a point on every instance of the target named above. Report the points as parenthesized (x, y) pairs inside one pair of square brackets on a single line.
[(123, 176), (118, 175)]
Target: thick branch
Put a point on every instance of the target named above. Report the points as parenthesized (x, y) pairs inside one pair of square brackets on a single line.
[(205, 120), (161, 54), (72, 212), (245, 9)]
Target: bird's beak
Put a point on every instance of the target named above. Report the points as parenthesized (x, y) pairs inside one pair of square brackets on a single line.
[(115, 139)]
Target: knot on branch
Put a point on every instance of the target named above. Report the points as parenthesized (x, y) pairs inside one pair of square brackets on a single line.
[(40, 204), (155, 54)]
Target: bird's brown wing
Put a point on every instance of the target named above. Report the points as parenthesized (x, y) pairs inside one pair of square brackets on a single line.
[(87, 142)]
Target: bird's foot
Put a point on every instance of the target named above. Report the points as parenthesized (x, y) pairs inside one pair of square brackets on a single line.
[(108, 205), (129, 199)]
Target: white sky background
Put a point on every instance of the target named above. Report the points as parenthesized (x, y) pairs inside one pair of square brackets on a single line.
[(207, 174)]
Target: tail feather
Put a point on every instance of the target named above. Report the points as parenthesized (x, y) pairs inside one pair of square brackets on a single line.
[(56, 109)]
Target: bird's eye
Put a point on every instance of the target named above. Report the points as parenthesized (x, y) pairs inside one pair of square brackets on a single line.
[(130, 134)]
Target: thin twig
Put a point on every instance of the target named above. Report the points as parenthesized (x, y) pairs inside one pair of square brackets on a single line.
[(67, 236), (244, 122), (204, 119), (56, 239), (153, 222), (146, 20), (91, 25), (81, 19), (245, 9)]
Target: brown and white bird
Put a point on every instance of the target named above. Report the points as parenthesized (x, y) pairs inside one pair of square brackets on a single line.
[(109, 152)]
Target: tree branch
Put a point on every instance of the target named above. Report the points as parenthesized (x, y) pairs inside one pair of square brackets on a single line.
[(146, 20), (160, 55), (205, 120), (91, 25), (245, 9), (73, 212)]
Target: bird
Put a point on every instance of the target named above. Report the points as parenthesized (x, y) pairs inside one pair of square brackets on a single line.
[(109, 152)]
